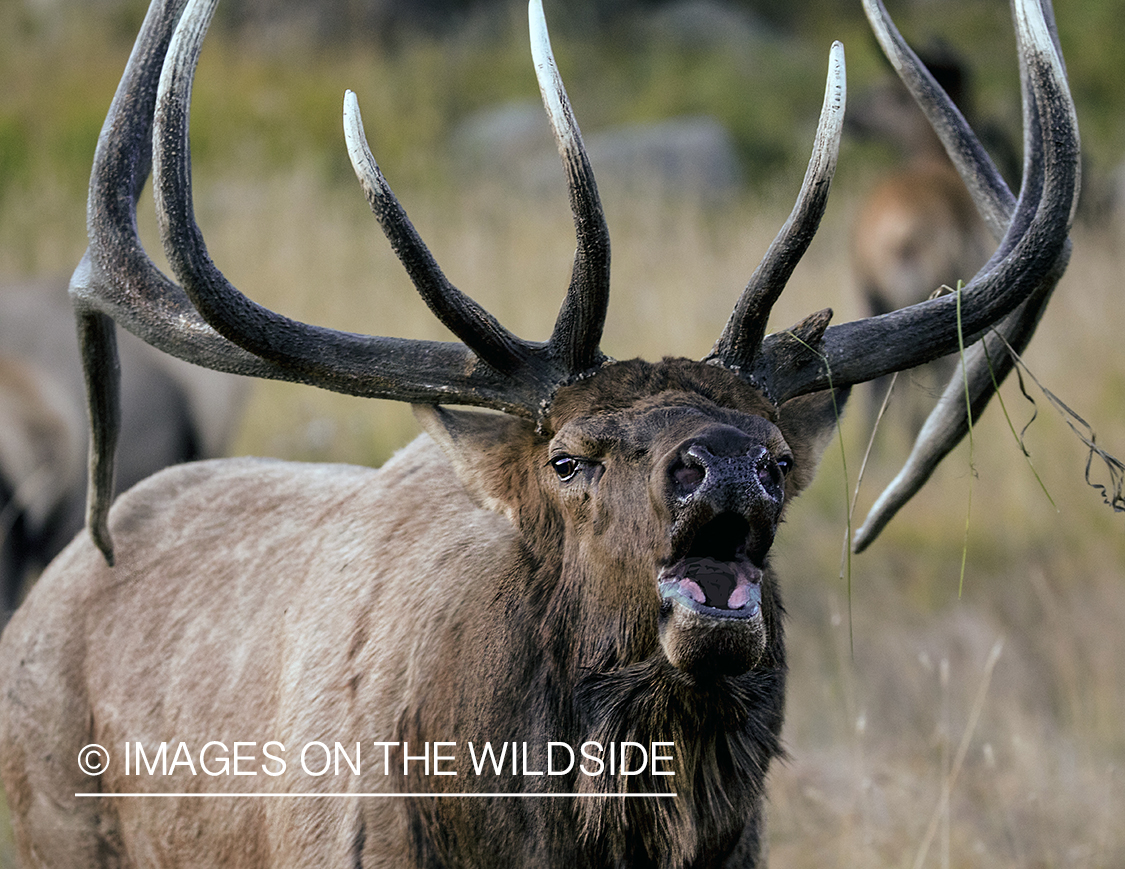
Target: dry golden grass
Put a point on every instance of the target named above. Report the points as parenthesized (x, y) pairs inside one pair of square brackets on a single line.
[(909, 745)]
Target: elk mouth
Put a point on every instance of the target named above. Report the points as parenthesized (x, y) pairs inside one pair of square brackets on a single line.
[(721, 589), (711, 619), (715, 576)]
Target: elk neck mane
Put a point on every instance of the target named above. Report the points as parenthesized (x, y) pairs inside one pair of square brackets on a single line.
[(589, 668)]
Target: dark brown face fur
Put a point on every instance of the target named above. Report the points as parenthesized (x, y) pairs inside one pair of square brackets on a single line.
[(658, 489)]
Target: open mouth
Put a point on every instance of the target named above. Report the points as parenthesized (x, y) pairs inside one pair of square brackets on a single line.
[(715, 577)]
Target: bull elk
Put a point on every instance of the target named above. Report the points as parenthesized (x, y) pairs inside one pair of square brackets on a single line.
[(587, 569)]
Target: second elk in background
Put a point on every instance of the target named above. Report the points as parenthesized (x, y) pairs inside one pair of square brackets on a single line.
[(918, 231)]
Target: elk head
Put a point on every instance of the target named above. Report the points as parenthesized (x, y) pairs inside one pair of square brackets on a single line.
[(655, 490)]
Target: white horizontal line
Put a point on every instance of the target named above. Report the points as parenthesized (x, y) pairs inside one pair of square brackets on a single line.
[(366, 795)]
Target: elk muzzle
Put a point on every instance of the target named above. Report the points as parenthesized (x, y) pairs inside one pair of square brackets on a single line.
[(725, 491)]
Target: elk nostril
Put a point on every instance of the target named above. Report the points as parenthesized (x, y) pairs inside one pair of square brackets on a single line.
[(769, 473), (687, 477)]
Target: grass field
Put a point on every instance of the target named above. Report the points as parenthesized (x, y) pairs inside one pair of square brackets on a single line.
[(929, 724), (897, 718)]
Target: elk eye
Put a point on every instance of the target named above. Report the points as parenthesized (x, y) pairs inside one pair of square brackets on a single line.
[(567, 466)]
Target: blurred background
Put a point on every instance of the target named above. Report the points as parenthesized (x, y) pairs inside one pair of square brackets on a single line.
[(932, 721)]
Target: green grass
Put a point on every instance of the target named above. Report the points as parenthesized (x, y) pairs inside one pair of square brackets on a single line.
[(7, 845)]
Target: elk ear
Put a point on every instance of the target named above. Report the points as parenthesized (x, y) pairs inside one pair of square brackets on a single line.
[(808, 423), (485, 450)]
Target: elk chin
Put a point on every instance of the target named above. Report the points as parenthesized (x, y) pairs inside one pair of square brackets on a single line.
[(711, 621)]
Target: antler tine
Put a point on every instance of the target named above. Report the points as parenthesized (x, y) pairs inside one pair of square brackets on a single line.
[(578, 328), (97, 345), (743, 333), (1036, 239), (115, 276), (460, 314), (987, 364)]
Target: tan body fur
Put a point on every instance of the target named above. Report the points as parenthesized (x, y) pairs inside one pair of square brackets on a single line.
[(916, 232), (324, 608), (171, 412)]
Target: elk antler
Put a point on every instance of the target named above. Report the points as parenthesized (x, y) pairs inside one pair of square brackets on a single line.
[(1033, 245), (1008, 294), (205, 320), (987, 363)]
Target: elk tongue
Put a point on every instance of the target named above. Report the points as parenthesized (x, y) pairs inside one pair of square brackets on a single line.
[(726, 585), (746, 594)]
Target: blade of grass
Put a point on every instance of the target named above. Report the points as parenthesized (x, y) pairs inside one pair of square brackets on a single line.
[(1011, 427), (1114, 466), (866, 456), (846, 565), (962, 750), (969, 418)]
